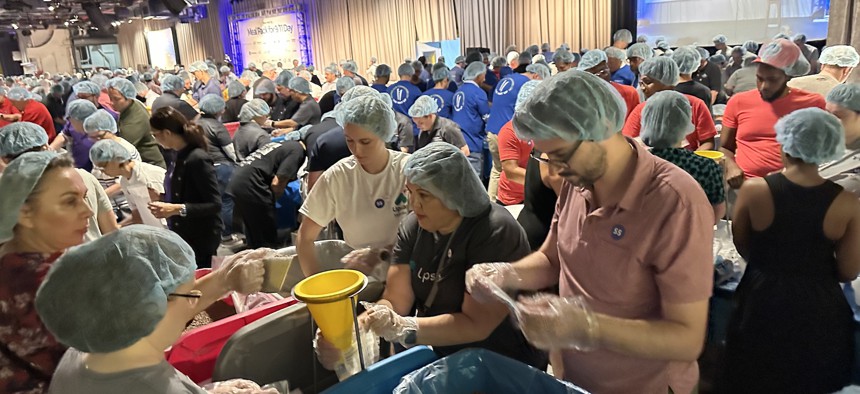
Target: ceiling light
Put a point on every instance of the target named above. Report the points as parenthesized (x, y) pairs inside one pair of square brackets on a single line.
[(67, 23), (14, 26), (50, 8)]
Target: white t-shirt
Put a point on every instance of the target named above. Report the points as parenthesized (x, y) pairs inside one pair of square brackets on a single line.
[(135, 155), (144, 176), (98, 202), (368, 207)]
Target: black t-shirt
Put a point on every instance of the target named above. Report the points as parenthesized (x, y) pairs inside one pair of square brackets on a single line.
[(695, 89), (283, 108), (217, 136), (319, 129), (232, 109), (253, 179), (538, 206), (711, 76), (329, 148), (493, 235), (327, 102)]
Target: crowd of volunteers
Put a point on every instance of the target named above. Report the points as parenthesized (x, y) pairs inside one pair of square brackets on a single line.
[(586, 184)]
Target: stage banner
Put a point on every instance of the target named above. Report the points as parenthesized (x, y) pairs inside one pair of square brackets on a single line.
[(269, 38)]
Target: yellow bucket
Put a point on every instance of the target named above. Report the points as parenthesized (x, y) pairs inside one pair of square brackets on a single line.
[(328, 297), (711, 154)]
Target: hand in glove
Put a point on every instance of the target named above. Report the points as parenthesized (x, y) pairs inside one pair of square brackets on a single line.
[(480, 277), (551, 322), (386, 323), (365, 260), (243, 272), (238, 386), (327, 353)]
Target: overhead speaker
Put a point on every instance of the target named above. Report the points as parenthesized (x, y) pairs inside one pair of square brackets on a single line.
[(175, 7), (97, 18)]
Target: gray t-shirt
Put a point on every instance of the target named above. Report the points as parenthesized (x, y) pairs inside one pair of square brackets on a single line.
[(405, 136), (444, 130), (308, 113), (73, 377), (248, 138)]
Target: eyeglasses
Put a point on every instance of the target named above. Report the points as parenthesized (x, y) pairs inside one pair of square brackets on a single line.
[(563, 164), (602, 72), (191, 294)]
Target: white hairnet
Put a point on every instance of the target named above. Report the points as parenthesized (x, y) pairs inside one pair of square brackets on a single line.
[(741, 51), (526, 92), (235, 89), (573, 105), (224, 69), (840, 55), (107, 294), (642, 38), (100, 80), (80, 109), (172, 83), (370, 113), (350, 66), (423, 106), (498, 62), (591, 59), (405, 69), (812, 135), (122, 85), (198, 66), (474, 70), (688, 59), (265, 86), (19, 137), (751, 46), (562, 56), (443, 170), (300, 85), (211, 104), (623, 35), (139, 87), (666, 119), (387, 99), (512, 55), (786, 56), (440, 72), (640, 50), (18, 181), (18, 94), (253, 109), (662, 69), (382, 70), (86, 87), (104, 151), (344, 84), (540, 69), (359, 91), (846, 95), (720, 39), (616, 53), (100, 120), (719, 109)]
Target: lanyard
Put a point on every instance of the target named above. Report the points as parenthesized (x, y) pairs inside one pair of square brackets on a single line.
[(443, 264)]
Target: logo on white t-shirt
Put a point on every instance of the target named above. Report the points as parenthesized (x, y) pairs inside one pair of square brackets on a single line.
[(440, 102), (505, 86), (379, 203), (459, 101), (399, 95), (401, 204)]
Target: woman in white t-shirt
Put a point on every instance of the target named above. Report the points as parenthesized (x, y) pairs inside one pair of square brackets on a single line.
[(101, 125), (364, 192), (141, 182)]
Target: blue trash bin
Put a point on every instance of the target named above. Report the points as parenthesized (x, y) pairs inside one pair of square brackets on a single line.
[(382, 377)]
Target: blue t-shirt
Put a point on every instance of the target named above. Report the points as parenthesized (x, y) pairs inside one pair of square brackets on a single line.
[(625, 76), (452, 86), (505, 71), (470, 110), (444, 99), (504, 100), (380, 88), (491, 79), (403, 95)]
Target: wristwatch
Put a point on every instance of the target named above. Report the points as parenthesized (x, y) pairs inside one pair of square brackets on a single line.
[(182, 211), (411, 338)]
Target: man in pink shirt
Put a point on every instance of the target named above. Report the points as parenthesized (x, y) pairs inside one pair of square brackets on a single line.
[(629, 246), (748, 138)]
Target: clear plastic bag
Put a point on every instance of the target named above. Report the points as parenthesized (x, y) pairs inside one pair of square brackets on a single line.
[(350, 364), (251, 301), (243, 386), (728, 263)]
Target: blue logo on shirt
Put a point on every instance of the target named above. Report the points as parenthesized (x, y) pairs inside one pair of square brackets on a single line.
[(399, 95), (440, 102), (459, 100), (617, 232), (505, 86), (379, 203)]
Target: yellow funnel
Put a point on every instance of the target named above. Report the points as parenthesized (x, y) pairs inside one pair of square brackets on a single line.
[(328, 297), (711, 154)]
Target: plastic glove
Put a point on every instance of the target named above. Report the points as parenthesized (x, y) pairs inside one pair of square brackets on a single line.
[(365, 260), (551, 322), (480, 276), (244, 271), (327, 353), (386, 323), (238, 386)]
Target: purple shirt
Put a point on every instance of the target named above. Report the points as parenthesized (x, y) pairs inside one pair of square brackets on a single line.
[(78, 144)]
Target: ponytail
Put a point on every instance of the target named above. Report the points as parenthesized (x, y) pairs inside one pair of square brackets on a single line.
[(168, 118), (194, 135)]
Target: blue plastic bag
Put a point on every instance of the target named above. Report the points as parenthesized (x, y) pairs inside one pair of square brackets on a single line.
[(481, 371)]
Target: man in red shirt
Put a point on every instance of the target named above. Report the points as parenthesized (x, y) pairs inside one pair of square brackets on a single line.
[(748, 138), (596, 62), (31, 110), (514, 154), (8, 113), (659, 74)]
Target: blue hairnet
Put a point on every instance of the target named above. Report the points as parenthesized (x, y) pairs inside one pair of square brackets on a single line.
[(751, 46), (812, 135), (359, 91), (703, 52), (284, 78), (662, 69), (350, 66), (235, 89), (300, 85), (533, 50), (124, 86), (498, 62), (591, 59), (172, 83), (100, 120), (573, 105), (540, 69), (405, 69), (688, 59), (387, 99), (86, 87), (370, 113), (107, 294), (642, 38), (781, 36), (616, 53), (666, 119), (423, 106), (382, 70), (332, 69), (845, 95), (80, 109), (720, 39), (100, 80), (623, 35), (19, 137), (344, 84), (443, 170), (640, 50), (139, 87), (18, 94), (253, 109), (718, 58), (440, 73), (198, 66), (104, 151), (211, 104), (840, 55), (18, 181), (224, 69), (474, 70), (265, 86), (147, 77), (800, 37), (526, 92)]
